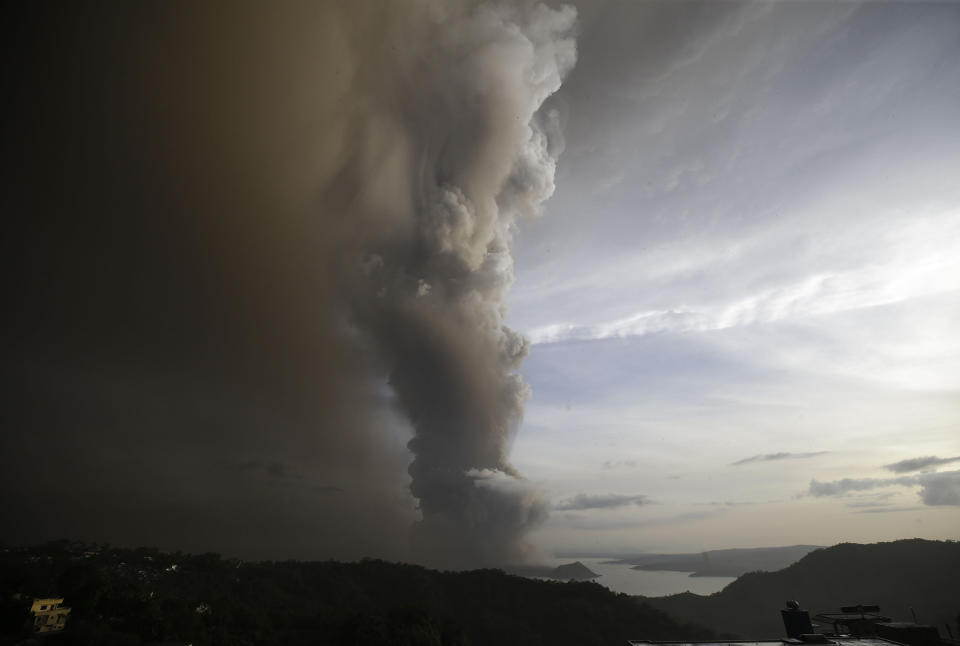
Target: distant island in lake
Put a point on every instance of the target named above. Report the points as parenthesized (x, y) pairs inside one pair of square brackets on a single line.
[(575, 571)]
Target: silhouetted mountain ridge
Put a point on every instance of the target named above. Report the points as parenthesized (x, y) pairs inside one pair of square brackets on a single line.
[(729, 562), (915, 573), (144, 596)]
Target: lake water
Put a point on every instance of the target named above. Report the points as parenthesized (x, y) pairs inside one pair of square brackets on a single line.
[(620, 578)]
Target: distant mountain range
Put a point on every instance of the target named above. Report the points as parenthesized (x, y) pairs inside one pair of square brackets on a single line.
[(732, 562), (897, 576)]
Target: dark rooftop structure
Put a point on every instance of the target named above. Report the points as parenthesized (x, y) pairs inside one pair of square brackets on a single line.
[(861, 625), (855, 620), (910, 633), (785, 641)]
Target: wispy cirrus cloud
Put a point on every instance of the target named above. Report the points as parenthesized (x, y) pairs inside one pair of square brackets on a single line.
[(917, 464), (870, 500), (935, 488), (619, 464), (813, 294), (887, 510), (601, 501), (769, 457)]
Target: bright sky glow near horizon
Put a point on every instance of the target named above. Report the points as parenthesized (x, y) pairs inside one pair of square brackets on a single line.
[(753, 251)]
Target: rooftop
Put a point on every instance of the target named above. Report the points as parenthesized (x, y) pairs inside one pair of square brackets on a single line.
[(839, 641), (842, 617)]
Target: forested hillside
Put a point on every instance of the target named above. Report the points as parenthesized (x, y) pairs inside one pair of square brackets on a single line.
[(914, 573), (144, 596)]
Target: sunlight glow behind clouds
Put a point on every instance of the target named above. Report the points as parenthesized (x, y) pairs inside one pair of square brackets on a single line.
[(921, 257), (754, 249)]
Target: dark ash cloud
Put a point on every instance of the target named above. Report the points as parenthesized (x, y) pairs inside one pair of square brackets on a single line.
[(282, 230), (272, 469), (916, 464), (769, 457), (935, 488), (601, 501)]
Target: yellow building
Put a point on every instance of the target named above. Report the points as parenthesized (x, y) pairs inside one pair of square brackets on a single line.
[(49, 615)]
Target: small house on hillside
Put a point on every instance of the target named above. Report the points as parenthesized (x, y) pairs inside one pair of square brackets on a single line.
[(49, 615)]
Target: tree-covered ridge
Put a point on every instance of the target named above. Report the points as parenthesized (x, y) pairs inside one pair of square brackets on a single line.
[(730, 562), (143, 596), (921, 574)]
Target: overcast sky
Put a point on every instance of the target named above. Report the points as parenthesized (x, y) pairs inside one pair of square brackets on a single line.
[(748, 278)]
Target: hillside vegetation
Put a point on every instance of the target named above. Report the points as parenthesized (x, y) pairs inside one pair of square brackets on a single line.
[(914, 573), (143, 596)]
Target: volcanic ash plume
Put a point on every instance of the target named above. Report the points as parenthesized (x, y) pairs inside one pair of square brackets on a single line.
[(480, 157), (263, 214)]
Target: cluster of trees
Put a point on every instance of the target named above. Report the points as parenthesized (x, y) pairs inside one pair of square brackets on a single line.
[(143, 596), (897, 576)]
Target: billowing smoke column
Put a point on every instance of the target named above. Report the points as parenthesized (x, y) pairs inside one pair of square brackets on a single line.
[(482, 157), (264, 245)]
